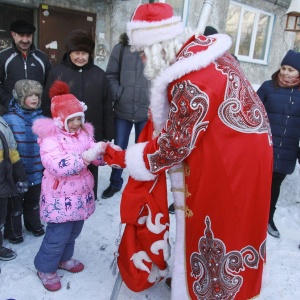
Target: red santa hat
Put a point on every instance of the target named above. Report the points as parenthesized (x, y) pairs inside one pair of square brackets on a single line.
[(64, 105), (153, 23)]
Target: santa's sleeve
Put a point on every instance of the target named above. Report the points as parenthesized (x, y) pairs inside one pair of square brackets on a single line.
[(187, 121)]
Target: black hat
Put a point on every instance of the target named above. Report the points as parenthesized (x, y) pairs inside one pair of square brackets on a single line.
[(292, 59), (80, 40), (21, 26), (209, 30)]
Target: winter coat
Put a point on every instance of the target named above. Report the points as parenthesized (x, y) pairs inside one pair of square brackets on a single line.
[(89, 84), (14, 67), (214, 137), (283, 109), (11, 167), (20, 121), (129, 87), (67, 185)]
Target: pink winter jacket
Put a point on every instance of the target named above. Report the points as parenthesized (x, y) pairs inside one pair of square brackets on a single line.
[(67, 185)]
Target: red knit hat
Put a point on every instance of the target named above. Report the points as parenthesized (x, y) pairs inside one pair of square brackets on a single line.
[(153, 23), (64, 105)]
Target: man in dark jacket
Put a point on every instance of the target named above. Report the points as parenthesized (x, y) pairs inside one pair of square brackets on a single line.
[(21, 61), (130, 94)]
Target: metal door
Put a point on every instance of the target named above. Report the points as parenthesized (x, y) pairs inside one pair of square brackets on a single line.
[(54, 25)]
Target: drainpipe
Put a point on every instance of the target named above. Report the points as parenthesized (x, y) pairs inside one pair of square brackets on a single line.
[(204, 15)]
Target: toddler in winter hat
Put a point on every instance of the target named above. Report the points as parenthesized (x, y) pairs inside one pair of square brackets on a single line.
[(64, 105), (25, 88)]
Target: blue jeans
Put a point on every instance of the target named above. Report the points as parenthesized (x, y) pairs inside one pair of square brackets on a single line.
[(123, 129), (58, 245)]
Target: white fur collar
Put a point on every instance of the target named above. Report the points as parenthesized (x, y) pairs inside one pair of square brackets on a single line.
[(159, 105)]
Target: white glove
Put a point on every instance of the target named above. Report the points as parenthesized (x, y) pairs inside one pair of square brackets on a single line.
[(94, 152)]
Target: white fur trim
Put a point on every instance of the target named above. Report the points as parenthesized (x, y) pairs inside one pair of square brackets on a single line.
[(179, 287), (142, 33), (159, 105), (78, 114), (135, 163)]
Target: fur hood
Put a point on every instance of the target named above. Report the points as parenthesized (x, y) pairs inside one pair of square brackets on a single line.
[(46, 127)]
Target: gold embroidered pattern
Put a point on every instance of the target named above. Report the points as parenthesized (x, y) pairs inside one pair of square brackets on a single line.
[(187, 193), (187, 170), (188, 212)]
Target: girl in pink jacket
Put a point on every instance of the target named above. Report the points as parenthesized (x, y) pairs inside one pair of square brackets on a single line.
[(67, 147)]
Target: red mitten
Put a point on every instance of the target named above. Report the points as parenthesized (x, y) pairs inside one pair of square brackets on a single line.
[(115, 158)]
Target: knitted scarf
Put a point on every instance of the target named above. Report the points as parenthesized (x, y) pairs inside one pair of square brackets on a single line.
[(288, 83)]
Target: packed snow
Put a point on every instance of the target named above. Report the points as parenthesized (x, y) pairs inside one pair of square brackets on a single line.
[(97, 243)]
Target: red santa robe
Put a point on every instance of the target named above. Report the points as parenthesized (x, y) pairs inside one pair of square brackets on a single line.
[(214, 138)]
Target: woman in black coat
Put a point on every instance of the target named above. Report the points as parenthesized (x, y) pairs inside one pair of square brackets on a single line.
[(88, 83), (281, 98)]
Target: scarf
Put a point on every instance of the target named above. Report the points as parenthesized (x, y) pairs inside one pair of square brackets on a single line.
[(288, 83)]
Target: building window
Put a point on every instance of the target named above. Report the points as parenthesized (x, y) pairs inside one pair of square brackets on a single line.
[(250, 29), (297, 42)]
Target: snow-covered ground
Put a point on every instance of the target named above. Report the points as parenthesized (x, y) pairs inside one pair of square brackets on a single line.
[(96, 244)]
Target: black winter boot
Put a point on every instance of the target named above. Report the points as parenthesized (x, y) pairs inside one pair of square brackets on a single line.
[(272, 230), (14, 239), (36, 232), (172, 209), (168, 282), (109, 192), (13, 227), (7, 254)]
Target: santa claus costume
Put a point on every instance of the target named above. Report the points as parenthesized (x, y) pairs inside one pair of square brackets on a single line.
[(211, 132)]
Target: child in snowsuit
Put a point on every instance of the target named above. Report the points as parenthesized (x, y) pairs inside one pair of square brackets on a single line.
[(12, 179), (67, 199), (24, 109)]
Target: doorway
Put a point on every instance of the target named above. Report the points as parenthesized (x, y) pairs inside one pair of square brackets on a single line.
[(54, 25)]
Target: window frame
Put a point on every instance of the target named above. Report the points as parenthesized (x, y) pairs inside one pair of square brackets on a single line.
[(185, 9), (249, 58)]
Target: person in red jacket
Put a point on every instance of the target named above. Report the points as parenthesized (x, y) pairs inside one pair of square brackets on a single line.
[(210, 131)]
